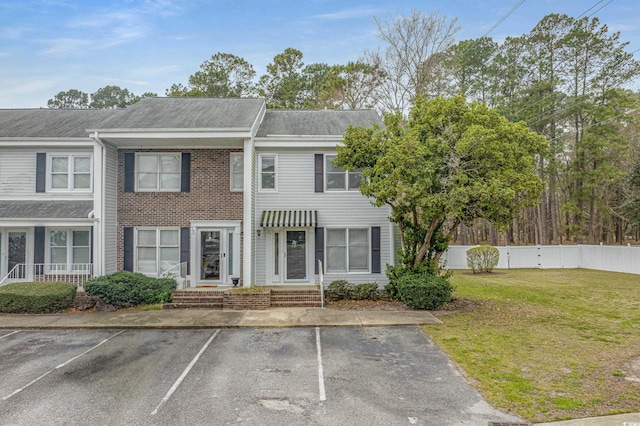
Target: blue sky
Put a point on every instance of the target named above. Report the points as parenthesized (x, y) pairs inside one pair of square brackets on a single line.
[(48, 46)]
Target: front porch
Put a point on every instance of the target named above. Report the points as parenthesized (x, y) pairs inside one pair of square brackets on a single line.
[(75, 273)]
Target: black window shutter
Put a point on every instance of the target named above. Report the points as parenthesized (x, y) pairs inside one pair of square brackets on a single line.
[(128, 249), (38, 244), (319, 173), (185, 180), (375, 250), (129, 171), (91, 238), (319, 248), (185, 247), (41, 172)]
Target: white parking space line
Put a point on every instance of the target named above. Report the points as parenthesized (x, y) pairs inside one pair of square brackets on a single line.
[(9, 334), (60, 366), (323, 395), (185, 372)]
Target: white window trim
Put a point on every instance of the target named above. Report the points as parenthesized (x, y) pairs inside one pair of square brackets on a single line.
[(69, 249), (157, 189), (346, 178), (157, 246), (231, 155), (275, 178), (346, 229), (70, 172)]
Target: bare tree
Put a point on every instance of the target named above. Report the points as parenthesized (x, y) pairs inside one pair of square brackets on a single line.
[(412, 52)]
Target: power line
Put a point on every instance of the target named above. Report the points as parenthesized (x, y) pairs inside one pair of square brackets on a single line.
[(501, 20)]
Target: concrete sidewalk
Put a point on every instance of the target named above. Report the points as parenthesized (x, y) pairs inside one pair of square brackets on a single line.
[(210, 318)]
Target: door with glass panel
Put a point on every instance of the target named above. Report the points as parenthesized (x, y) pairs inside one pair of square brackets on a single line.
[(296, 256), (16, 253), (211, 255)]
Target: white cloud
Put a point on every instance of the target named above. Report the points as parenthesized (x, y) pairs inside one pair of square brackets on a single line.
[(65, 46)]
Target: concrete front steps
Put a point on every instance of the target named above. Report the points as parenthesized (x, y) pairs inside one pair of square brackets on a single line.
[(281, 297)]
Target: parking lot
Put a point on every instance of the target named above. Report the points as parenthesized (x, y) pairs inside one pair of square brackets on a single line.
[(294, 376)]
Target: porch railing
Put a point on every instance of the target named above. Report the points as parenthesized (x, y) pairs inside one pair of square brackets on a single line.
[(74, 273), (178, 272)]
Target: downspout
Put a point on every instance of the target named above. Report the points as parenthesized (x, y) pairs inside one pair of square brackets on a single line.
[(101, 224)]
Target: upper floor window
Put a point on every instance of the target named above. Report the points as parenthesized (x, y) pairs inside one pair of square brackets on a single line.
[(158, 172), (268, 172), (70, 172), (237, 171), (337, 179)]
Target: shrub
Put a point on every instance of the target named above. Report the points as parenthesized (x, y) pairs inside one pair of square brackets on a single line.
[(344, 290), (124, 289), (424, 291), (365, 291), (37, 298), (339, 290), (482, 258)]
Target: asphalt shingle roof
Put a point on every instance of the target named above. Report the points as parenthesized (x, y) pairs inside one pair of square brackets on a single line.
[(33, 123), (315, 122), (23, 209), (187, 113)]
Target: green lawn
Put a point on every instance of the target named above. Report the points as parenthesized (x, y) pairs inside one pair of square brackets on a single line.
[(548, 344)]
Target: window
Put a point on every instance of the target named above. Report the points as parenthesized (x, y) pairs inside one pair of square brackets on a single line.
[(69, 249), (157, 250), (337, 179), (70, 172), (347, 250), (268, 172), (237, 171), (158, 172)]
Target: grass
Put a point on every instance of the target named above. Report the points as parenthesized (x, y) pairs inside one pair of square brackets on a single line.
[(548, 344)]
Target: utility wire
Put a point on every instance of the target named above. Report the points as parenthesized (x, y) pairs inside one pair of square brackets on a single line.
[(501, 20)]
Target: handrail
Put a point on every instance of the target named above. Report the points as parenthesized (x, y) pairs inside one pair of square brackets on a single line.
[(180, 269), (11, 272)]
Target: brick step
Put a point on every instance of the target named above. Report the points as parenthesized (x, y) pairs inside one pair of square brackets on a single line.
[(296, 303), (196, 299), (173, 305), (189, 293)]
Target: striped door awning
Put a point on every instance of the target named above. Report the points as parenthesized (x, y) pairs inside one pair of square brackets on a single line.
[(289, 218)]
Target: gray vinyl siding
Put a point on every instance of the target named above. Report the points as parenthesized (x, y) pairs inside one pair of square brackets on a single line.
[(111, 212), (296, 191), (18, 171)]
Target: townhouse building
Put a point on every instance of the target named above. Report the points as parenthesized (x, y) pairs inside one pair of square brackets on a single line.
[(206, 190)]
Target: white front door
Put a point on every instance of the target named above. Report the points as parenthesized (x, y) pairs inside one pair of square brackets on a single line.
[(212, 252), (288, 255), (215, 252)]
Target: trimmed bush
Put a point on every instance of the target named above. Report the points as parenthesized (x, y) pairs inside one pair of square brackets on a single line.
[(37, 298), (344, 290), (339, 290), (365, 291), (424, 291), (124, 289), (482, 258)]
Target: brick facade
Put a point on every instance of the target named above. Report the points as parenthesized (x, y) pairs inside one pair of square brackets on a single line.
[(210, 197)]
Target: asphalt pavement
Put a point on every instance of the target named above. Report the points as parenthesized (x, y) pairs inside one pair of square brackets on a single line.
[(270, 318)]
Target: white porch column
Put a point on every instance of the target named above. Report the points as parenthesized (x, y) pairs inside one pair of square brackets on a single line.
[(247, 214), (98, 206)]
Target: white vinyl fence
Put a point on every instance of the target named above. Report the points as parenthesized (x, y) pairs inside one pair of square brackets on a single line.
[(604, 258)]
